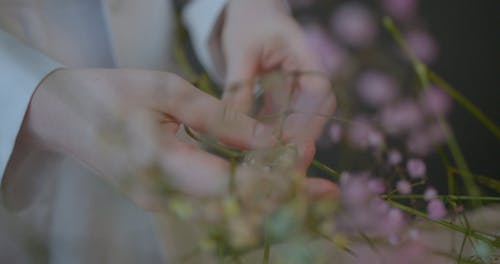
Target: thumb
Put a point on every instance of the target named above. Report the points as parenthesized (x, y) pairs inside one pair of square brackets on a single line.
[(241, 70)]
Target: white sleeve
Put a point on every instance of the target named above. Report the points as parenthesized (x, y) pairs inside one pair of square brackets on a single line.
[(21, 70), (202, 18)]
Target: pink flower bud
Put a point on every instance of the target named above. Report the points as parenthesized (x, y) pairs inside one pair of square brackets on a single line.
[(335, 133), (354, 24), (423, 45), (430, 194), (403, 187), (400, 9), (331, 55), (416, 168), (376, 88), (394, 157), (435, 101), (436, 209)]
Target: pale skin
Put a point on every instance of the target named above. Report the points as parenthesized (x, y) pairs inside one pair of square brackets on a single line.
[(89, 113)]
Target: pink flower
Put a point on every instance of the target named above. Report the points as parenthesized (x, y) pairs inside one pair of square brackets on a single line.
[(430, 194), (363, 210), (380, 206), (354, 24), (331, 55), (395, 219), (436, 209), (354, 189), (376, 186), (423, 45), (401, 117), (394, 157), (376, 88), (362, 134), (335, 132), (403, 187), (419, 143), (416, 168), (400, 9), (435, 101)]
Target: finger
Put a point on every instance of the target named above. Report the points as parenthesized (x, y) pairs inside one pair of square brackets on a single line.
[(194, 171), (311, 107), (178, 167), (242, 68), (318, 188), (171, 94)]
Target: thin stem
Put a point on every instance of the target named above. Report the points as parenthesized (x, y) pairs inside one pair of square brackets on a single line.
[(462, 247), (233, 154), (489, 239), (267, 248), (423, 74), (443, 197), (489, 182), (466, 103), (331, 172)]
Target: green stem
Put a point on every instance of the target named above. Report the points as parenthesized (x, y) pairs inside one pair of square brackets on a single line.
[(465, 103), (443, 197), (423, 74), (233, 154), (331, 172), (489, 182), (491, 240), (267, 248)]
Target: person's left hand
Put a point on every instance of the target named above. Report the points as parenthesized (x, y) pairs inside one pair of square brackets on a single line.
[(260, 36)]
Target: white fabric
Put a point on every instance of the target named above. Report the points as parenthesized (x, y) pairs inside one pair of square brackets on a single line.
[(76, 218), (201, 29), (21, 69)]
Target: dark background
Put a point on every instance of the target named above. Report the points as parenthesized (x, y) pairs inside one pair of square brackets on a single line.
[(468, 33)]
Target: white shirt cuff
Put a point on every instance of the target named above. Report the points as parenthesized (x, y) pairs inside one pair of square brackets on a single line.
[(21, 70)]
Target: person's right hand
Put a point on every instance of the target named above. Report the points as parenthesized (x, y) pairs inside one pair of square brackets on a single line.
[(110, 120)]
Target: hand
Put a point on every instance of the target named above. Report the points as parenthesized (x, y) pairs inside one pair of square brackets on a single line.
[(110, 120), (258, 37)]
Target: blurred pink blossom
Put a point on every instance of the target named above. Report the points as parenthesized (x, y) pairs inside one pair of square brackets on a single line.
[(401, 117), (422, 44), (416, 168), (395, 219), (332, 55), (436, 209), (376, 88), (363, 210), (362, 134), (435, 101), (400, 9), (430, 194), (420, 142), (376, 186), (354, 24), (379, 205), (335, 132), (403, 187), (354, 189), (394, 157)]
